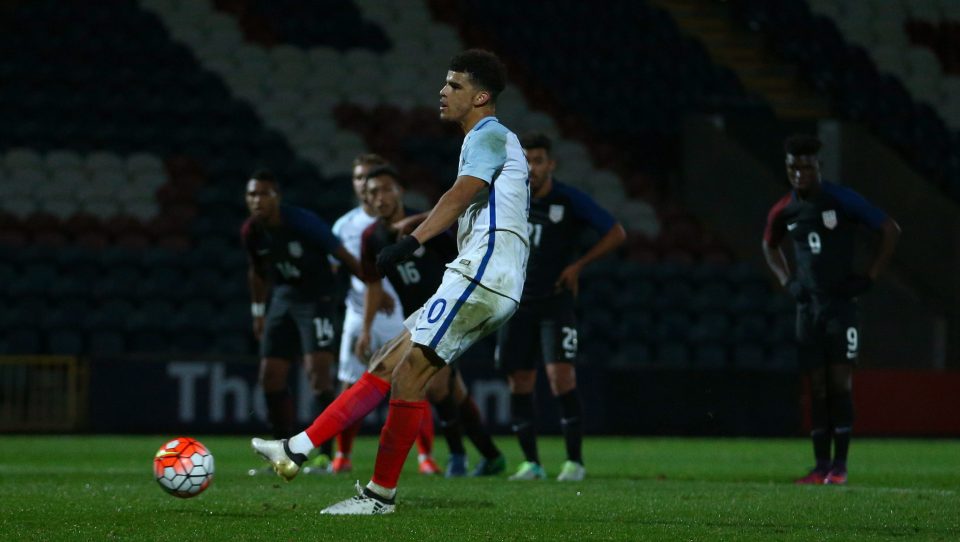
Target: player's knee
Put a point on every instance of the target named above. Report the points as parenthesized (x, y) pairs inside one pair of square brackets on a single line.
[(562, 376), (522, 381)]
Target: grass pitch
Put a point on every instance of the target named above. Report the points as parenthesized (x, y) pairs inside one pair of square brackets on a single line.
[(101, 488)]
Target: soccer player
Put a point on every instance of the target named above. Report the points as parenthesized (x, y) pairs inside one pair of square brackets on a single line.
[(387, 322), (821, 219), (545, 328), (288, 250), (415, 280), (479, 292)]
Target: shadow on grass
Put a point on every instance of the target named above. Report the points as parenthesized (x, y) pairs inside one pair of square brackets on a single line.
[(435, 503)]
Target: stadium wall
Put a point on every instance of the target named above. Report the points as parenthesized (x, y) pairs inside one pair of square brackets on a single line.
[(221, 396)]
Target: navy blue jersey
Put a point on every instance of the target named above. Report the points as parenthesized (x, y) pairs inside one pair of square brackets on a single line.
[(823, 231), (294, 254), (416, 279), (556, 222)]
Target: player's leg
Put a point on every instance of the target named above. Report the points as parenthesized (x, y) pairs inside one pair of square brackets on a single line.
[(444, 400), (280, 410), (813, 365), (517, 354), (318, 339), (318, 367), (358, 401), (456, 317), (844, 340), (408, 404), (492, 461), (559, 346), (349, 370)]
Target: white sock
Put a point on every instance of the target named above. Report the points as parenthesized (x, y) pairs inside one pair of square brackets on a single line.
[(300, 444), (422, 457), (385, 492)]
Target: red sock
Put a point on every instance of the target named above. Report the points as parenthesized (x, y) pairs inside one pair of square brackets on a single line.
[(347, 436), (351, 406), (425, 436), (403, 423)]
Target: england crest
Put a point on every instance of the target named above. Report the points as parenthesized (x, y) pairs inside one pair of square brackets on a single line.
[(556, 213), (295, 249), (830, 219)]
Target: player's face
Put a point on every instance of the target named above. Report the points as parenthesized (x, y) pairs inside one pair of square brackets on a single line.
[(360, 180), (262, 199), (457, 97), (541, 166), (384, 195), (803, 171)]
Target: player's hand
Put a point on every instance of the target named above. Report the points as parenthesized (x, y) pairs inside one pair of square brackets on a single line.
[(569, 279), (386, 304), (396, 253), (855, 285), (362, 347), (258, 327), (797, 291)]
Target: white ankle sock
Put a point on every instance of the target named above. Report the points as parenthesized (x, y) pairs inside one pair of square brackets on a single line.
[(384, 492), (300, 443)]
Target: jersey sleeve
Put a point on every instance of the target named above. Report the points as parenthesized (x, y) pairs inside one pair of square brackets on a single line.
[(484, 155), (587, 210), (368, 255), (776, 227), (857, 206), (315, 229)]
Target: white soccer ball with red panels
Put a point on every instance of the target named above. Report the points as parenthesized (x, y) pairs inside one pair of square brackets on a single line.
[(183, 467)]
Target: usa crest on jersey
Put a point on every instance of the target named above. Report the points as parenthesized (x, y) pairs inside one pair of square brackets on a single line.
[(295, 249), (556, 213), (830, 219)]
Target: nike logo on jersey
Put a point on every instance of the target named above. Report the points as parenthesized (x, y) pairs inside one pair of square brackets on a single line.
[(792, 227)]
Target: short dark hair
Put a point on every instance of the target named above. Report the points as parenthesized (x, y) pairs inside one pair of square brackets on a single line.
[(536, 140), (369, 159), (385, 169), (484, 68), (266, 176), (802, 145)]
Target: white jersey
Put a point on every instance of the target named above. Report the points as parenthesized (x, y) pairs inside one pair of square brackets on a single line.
[(492, 235), (349, 228)]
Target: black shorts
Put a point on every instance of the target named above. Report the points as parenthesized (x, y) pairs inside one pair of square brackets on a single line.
[(294, 327), (540, 331), (827, 332)]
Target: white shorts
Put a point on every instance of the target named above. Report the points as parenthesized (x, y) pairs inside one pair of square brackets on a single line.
[(458, 315), (385, 327)]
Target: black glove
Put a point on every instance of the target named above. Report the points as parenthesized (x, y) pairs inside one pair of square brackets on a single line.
[(797, 291), (396, 253), (855, 285)]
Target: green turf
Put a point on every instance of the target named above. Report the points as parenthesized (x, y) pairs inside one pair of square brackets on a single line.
[(101, 488)]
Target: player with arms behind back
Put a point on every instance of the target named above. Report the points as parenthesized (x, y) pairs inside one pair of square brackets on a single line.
[(545, 328), (821, 219), (288, 250), (415, 280), (479, 292)]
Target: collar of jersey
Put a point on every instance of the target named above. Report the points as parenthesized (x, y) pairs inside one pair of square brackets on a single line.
[(483, 121)]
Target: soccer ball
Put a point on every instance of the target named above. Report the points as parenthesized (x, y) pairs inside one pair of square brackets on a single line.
[(183, 467)]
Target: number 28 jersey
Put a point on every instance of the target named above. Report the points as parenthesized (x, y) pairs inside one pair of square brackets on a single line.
[(823, 231)]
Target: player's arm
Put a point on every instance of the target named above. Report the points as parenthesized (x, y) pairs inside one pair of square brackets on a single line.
[(373, 296), (347, 259), (773, 235), (889, 237), (258, 297), (408, 223), (448, 209), (612, 236), (570, 277)]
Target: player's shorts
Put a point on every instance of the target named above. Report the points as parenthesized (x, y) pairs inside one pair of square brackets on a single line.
[(461, 313), (384, 328), (294, 327), (543, 330), (828, 332)]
